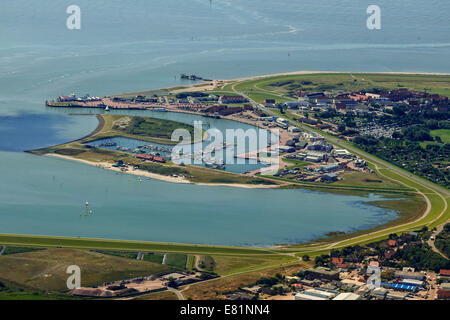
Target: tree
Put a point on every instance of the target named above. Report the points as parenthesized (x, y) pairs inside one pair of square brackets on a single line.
[(306, 258), (172, 283)]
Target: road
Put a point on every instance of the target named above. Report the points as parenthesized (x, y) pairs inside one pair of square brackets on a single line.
[(431, 242), (178, 293), (3, 250)]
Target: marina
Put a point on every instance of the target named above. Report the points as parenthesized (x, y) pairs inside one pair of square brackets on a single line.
[(209, 157)]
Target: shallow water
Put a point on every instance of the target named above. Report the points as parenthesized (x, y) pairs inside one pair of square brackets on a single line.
[(123, 48)]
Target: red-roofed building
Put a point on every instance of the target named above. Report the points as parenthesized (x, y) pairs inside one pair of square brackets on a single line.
[(144, 157), (358, 97), (444, 272), (336, 260), (392, 242), (340, 106), (374, 263), (443, 294)]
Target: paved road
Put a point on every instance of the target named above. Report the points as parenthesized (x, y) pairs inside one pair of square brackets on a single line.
[(431, 242), (178, 293), (3, 250)]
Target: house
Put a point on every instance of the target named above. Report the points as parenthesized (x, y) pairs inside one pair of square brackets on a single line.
[(444, 275), (337, 260), (374, 263), (312, 96), (388, 254), (323, 101), (392, 243), (444, 291), (340, 106), (373, 95), (224, 99), (297, 286), (72, 97), (358, 97), (296, 104)]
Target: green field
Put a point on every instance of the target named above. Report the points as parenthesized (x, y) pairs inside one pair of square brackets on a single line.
[(444, 134), (46, 269), (153, 257), (176, 260), (14, 250), (288, 84), (206, 263)]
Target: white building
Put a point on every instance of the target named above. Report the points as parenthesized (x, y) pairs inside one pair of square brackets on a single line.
[(302, 296), (347, 296), (294, 129), (315, 294), (283, 121)]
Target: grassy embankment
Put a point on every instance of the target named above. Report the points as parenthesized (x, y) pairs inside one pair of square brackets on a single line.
[(288, 84)]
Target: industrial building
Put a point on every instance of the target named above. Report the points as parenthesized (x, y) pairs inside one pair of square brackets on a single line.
[(409, 275), (315, 294), (320, 146), (347, 296)]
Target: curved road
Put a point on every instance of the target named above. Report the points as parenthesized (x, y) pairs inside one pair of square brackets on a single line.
[(178, 293), (441, 192)]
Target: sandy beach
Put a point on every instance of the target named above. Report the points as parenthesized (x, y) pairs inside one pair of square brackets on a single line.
[(142, 173)]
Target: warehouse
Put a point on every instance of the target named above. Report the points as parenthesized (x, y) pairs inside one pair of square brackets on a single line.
[(347, 296)]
